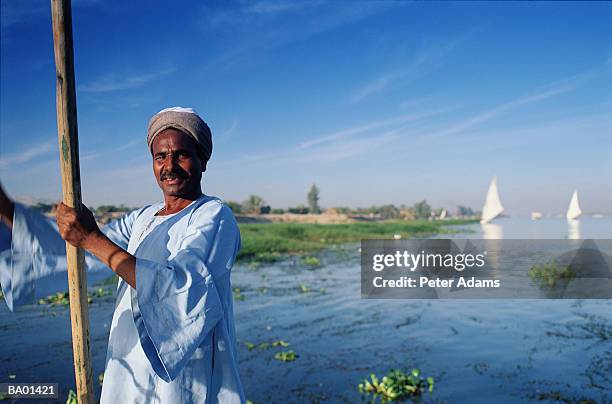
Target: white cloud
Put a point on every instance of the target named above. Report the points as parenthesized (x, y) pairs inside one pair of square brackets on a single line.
[(425, 62), (268, 7), (27, 155), (227, 132), (550, 91), (259, 28), (348, 132), (113, 83)]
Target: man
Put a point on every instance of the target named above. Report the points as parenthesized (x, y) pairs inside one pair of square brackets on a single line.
[(172, 337)]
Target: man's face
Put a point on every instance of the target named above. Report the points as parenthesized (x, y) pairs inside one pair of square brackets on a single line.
[(176, 164)]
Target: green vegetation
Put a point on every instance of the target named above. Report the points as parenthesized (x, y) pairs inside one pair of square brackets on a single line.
[(268, 257), (58, 299), (238, 295), (313, 200), (267, 241), (112, 280), (299, 210), (310, 261), (100, 292), (104, 209), (236, 207), (253, 205), (266, 345), (72, 398), (464, 211), (421, 210), (63, 298), (547, 274), (396, 386), (285, 356)]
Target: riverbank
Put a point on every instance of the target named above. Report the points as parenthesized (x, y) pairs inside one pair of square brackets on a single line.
[(268, 242)]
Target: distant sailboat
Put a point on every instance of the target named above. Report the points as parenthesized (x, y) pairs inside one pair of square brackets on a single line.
[(492, 207), (536, 215), (573, 211)]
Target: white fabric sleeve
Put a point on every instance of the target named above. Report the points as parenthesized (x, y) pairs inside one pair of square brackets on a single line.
[(33, 256)]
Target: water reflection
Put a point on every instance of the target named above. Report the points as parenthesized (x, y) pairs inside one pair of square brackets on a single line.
[(492, 231), (573, 229), (493, 234), (547, 228)]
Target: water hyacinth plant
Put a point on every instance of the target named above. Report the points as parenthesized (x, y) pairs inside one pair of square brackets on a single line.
[(63, 298), (238, 296), (58, 299), (548, 274), (285, 356), (310, 261), (72, 398), (266, 345), (396, 386)]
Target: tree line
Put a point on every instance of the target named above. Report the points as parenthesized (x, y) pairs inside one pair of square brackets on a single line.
[(256, 205)]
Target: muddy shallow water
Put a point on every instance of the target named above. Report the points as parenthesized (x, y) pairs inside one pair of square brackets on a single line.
[(478, 351)]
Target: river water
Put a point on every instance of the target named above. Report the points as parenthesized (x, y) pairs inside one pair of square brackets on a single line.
[(478, 351)]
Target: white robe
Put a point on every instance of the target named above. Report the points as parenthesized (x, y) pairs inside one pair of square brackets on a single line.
[(172, 339)]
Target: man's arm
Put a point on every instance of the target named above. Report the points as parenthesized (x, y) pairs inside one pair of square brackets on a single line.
[(81, 230), (35, 264)]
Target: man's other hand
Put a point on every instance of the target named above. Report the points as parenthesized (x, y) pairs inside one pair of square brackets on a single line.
[(78, 228)]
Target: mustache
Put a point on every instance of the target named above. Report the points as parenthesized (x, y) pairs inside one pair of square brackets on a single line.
[(171, 175)]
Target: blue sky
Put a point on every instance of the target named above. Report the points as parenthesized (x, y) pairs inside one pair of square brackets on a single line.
[(375, 102)]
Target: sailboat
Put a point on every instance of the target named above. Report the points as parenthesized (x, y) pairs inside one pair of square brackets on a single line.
[(492, 207), (573, 210), (536, 215)]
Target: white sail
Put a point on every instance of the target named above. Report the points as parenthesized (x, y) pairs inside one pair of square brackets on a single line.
[(492, 207), (573, 211)]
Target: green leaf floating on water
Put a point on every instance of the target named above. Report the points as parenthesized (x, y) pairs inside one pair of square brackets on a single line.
[(237, 294), (63, 298), (310, 261), (285, 356), (280, 342), (58, 299), (72, 398), (266, 345), (396, 386)]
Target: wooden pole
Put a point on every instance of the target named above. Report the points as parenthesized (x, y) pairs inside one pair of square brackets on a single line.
[(71, 187)]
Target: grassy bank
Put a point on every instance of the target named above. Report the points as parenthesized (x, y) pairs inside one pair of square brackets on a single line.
[(268, 242)]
